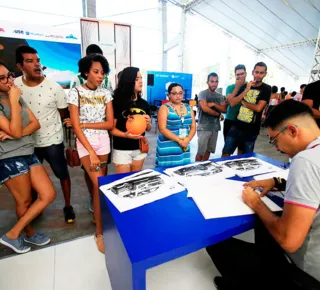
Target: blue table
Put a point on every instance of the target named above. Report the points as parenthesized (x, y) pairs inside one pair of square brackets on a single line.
[(156, 233)]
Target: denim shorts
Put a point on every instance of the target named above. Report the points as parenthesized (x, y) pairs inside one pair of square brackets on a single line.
[(239, 139), (54, 155), (16, 166)]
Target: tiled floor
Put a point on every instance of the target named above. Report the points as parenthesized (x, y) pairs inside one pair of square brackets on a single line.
[(77, 265)]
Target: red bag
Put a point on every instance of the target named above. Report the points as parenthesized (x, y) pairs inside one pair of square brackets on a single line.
[(72, 154), (144, 145)]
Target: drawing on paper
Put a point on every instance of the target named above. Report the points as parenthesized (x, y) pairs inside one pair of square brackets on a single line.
[(204, 169), (138, 187), (244, 164)]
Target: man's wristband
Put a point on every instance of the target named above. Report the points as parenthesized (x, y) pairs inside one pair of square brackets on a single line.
[(280, 183)]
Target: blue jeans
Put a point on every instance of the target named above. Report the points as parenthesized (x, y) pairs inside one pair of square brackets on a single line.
[(239, 139), (16, 166)]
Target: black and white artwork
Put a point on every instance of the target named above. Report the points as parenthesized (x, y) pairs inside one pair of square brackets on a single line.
[(139, 189), (245, 167), (201, 172)]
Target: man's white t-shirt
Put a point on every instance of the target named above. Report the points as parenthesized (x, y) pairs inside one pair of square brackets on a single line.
[(44, 100), (92, 107)]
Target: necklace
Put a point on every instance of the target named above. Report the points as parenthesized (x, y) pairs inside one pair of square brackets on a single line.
[(181, 115), (90, 88)]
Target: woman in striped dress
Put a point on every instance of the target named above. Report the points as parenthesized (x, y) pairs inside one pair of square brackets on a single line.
[(177, 127)]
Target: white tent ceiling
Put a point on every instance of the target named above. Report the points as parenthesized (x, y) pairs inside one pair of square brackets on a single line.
[(284, 30)]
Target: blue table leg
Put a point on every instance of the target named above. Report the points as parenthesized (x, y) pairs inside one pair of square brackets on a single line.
[(123, 275)]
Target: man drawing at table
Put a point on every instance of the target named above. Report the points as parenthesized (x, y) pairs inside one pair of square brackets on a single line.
[(296, 233)]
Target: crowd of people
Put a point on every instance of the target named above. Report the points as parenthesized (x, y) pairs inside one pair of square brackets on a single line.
[(34, 109)]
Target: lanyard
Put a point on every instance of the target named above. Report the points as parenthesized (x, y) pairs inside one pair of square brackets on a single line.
[(181, 116)]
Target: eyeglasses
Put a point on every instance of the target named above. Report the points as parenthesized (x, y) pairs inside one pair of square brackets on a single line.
[(176, 93), (4, 79), (272, 140), (240, 74)]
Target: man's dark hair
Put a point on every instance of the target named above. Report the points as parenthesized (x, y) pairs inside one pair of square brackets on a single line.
[(93, 49), (282, 89), (274, 89), (286, 110), (85, 64), (21, 50), (303, 86), (213, 74), (293, 93), (261, 63), (240, 66), (173, 85)]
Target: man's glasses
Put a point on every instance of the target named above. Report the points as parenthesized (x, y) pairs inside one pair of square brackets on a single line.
[(272, 140), (240, 74), (176, 93), (4, 79)]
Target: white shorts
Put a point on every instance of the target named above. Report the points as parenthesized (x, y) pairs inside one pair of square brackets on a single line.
[(122, 157)]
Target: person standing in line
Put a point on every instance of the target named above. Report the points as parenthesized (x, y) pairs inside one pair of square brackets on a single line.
[(20, 169), (232, 91), (311, 97), (211, 107), (177, 126), (298, 97), (91, 117), (275, 99), (46, 100), (253, 101), (127, 100), (79, 80), (283, 93)]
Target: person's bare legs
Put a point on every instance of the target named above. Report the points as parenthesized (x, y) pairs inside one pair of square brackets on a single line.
[(122, 168), (137, 165), (66, 189), (41, 182), (205, 157), (225, 155), (20, 188), (95, 189)]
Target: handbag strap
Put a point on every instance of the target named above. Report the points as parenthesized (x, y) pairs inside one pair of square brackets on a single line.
[(75, 139)]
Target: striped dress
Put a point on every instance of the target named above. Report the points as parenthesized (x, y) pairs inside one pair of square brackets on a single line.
[(169, 153)]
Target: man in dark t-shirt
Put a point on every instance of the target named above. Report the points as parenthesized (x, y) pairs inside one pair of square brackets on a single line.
[(244, 132), (311, 97)]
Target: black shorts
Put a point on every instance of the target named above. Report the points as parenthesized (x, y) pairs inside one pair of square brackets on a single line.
[(54, 155), (226, 127)]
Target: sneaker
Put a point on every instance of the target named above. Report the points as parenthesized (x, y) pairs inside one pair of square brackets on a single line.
[(99, 241), (37, 239), (69, 215), (91, 204), (17, 244)]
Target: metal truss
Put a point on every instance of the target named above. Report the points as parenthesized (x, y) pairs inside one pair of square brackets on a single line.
[(315, 68), (290, 45)]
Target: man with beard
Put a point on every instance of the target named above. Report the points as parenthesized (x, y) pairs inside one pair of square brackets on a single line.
[(286, 252), (211, 105), (46, 99), (246, 129)]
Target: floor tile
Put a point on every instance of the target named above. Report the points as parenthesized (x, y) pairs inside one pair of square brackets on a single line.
[(80, 266), (31, 271)]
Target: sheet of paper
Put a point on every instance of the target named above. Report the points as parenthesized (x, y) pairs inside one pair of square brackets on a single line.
[(224, 199), (282, 174), (252, 166), (139, 189), (200, 172)]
